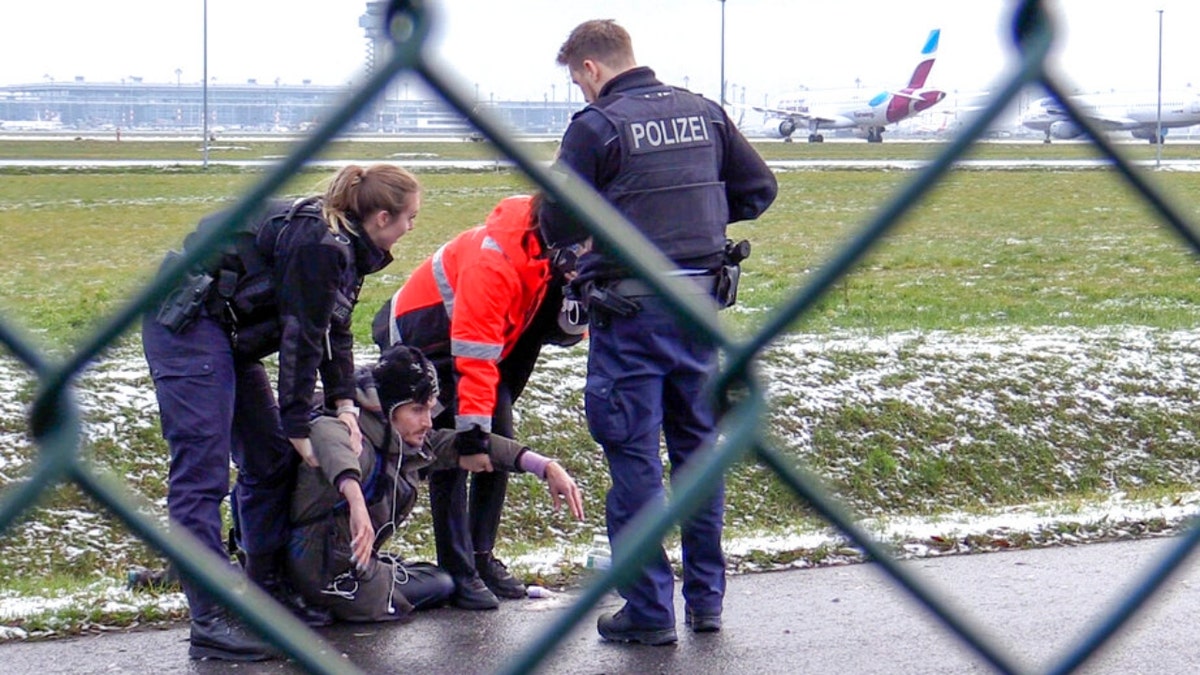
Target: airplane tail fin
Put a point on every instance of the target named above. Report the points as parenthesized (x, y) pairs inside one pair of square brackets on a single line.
[(736, 112), (921, 72)]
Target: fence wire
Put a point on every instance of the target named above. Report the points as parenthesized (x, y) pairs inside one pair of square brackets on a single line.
[(56, 427)]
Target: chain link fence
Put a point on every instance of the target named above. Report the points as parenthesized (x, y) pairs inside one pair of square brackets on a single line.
[(55, 420)]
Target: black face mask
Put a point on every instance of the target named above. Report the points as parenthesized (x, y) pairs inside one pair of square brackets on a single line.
[(563, 261)]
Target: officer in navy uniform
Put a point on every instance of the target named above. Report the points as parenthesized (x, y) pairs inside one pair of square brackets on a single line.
[(288, 287), (675, 165)]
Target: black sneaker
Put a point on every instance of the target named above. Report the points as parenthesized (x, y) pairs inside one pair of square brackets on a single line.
[(702, 622), (497, 577), (223, 637), (472, 593), (618, 627)]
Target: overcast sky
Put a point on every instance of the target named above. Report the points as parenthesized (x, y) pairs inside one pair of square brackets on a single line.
[(507, 48)]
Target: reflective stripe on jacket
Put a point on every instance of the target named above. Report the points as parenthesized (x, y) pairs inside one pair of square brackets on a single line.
[(471, 301)]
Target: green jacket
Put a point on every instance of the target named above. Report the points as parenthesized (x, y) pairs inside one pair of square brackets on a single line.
[(319, 551)]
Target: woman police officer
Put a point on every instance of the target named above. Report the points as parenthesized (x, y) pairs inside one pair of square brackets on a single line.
[(286, 286)]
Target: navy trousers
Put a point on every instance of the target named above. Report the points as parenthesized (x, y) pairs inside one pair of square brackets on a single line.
[(214, 409), (646, 377)]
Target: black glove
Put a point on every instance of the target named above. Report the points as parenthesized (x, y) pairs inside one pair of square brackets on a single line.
[(473, 441)]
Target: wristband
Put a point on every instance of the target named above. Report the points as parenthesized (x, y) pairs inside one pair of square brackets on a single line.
[(352, 409)]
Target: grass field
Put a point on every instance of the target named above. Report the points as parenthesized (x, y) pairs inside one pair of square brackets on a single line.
[(241, 149), (1022, 337)]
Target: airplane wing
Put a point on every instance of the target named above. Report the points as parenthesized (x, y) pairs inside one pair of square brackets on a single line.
[(779, 112), (1114, 122), (805, 115)]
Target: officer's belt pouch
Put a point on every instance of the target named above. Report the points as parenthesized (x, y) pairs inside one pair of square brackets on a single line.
[(242, 295), (183, 304), (256, 340)]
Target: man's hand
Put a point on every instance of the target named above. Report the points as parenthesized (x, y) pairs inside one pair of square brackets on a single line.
[(564, 490), (475, 463), (304, 448)]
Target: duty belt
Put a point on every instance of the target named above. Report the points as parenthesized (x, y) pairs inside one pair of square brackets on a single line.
[(702, 284)]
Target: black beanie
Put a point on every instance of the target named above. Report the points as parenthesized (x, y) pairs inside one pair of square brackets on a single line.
[(403, 375)]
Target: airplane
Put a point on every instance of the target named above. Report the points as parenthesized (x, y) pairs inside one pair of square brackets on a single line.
[(853, 108), (1117, 111)]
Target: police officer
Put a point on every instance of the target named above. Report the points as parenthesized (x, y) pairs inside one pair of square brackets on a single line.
[(674, 164), (480, 309), (287, 286)]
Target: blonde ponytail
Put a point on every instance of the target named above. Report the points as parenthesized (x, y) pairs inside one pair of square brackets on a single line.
[(356, 192)]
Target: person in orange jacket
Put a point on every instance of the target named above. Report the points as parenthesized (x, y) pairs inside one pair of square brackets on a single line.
[(480, 309)]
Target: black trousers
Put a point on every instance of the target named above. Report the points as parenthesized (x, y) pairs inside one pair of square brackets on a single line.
[(467, 521), (466, 510)]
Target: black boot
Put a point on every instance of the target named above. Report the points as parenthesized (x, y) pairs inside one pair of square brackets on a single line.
[(222, 636), (217, 634), (267, 571)]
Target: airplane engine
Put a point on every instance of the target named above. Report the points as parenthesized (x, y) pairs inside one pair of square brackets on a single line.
[(1146, 133), (780, 128), (1065, 130)]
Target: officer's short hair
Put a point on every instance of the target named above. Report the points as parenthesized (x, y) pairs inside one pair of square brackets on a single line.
[(599, 40)]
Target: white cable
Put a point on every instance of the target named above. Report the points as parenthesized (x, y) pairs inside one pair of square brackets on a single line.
[(392, 522), (334, 590)]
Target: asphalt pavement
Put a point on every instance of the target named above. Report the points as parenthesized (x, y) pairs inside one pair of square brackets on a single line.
[(1037, 605)]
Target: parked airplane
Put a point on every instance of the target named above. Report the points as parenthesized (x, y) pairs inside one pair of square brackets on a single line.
[(854, 108), (1135, 113)]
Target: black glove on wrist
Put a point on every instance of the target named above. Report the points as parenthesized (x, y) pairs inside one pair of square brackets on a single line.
[(473, 441)]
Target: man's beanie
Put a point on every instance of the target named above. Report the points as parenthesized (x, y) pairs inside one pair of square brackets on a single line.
[(404, 375)]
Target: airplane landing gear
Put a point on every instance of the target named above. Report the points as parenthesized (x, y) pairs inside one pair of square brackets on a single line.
[(875, 135), (816, 138)]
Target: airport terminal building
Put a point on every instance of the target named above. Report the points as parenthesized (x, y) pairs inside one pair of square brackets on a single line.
[(253, 106), (250, 107)]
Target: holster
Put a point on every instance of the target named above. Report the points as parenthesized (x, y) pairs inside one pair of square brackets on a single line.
[(181, 307), (602, 304), (727, 285), (731, 272)]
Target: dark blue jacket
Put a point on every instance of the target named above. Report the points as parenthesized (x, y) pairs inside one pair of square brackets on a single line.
[(310, 282), (592, 146)]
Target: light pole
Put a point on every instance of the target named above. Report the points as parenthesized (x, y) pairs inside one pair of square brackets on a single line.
[(1158, 137), (204, 108), (722, 52)]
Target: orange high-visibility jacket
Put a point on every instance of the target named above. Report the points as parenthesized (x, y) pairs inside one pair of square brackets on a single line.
[(481, 289)]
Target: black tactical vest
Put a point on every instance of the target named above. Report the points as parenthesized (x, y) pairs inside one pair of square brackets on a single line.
[(669, 185)]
